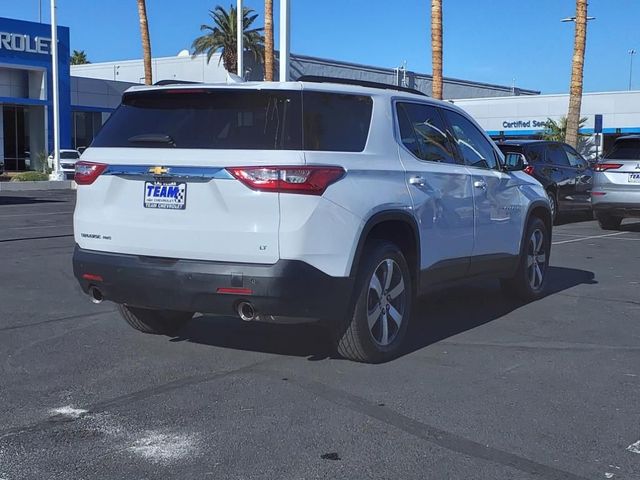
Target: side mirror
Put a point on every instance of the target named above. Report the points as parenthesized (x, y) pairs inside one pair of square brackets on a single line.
[(515, 162)]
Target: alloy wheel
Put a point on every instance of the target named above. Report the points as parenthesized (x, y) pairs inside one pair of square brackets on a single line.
[(554, 207), (386, 302), (536, 259)]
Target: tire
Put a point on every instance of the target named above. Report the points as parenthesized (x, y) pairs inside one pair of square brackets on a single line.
[(609, 222), (381, 339), (530, 280), (555, 212), (158, 322)]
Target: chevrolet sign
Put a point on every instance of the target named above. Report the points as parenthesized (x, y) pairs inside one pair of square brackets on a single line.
[(18, 42)]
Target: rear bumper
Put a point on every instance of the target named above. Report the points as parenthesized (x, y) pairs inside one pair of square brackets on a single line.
[(618, 209), (288, 288)]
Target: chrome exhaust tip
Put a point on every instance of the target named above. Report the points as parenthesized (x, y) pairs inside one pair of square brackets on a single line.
[(95, 295), (246, 311)]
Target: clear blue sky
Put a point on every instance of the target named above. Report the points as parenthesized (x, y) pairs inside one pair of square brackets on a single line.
[(490, 41)]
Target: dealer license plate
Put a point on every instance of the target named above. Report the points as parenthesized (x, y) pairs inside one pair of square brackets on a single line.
[(169, 195), (634, 178)]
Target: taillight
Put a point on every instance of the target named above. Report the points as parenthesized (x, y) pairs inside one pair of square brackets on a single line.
[(603, 167), (87, 172), (308, 180), (528, 169)]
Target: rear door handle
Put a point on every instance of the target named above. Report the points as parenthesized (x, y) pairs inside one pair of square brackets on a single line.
[(480, 184), (417, 180)]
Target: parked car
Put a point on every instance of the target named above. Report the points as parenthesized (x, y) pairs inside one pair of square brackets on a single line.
[(565, 175), (68, 159), (299, 201), (616, 188)]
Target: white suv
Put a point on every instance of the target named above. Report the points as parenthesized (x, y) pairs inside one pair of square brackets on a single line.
[(298, 201)]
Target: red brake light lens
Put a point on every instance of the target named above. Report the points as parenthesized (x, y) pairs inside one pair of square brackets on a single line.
[(603, 167), (528, 169), (307, 180), (87, 172)]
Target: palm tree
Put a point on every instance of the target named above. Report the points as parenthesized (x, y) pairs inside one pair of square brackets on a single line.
[(146, 42), (222, 36), (575, 91), (79, 57), (436, 48), (268, 40), (557, 131)]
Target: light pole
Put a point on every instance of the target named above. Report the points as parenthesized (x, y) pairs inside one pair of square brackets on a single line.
[(284, 40), (239, 42), (631, 53), (56, 174)]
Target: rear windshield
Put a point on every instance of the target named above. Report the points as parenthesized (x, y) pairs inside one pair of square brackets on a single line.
[(625, 150), (239, 120)]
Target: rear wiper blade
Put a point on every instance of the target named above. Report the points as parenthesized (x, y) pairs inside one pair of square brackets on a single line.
[(152, 138)]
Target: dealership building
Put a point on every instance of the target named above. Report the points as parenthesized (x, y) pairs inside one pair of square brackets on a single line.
[(89, 93), (26, 132), (526, 117)]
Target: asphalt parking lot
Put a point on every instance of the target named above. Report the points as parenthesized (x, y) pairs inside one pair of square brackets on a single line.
[(489, 389)]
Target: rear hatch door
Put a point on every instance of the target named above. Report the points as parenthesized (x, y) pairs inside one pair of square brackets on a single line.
[(621, 166), (167, 192)]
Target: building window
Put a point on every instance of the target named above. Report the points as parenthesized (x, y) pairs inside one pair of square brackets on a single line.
[(85, 127)]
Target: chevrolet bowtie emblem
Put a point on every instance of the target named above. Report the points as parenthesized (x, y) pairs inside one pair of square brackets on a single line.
[(158, 170)]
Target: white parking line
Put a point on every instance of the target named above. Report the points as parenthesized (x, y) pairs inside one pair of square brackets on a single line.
[(588, 238)]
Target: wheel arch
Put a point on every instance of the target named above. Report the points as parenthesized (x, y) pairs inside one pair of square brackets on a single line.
[(399, 227)]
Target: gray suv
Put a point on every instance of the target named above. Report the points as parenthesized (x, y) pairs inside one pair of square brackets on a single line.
[(616, 183)]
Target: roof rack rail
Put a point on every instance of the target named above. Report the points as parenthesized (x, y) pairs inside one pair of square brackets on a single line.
[(160, 83), (360, 83)]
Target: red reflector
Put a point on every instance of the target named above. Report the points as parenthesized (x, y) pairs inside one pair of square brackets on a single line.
[(603, 167), (308, 180), (235, 291), (598, 194), (528, 169), (87, 172), (91, 277)]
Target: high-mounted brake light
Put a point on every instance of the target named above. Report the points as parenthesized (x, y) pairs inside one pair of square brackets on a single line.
[(603, 167), (307, 180), (87, 172), (528, 169)]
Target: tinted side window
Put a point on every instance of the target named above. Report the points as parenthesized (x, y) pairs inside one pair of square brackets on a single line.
[(334, 122), (473, 145), (557, 156), (536, 154), (575, 160), (424, 133), (407, 133)]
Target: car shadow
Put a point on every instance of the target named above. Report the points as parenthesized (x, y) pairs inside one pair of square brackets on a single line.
[(442, 315), (630, 226), (437, 316), (574, 217)]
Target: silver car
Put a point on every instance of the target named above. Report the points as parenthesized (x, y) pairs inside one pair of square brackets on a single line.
[(616, 183)]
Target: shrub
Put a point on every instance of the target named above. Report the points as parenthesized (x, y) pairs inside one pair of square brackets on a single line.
[(30, 177)]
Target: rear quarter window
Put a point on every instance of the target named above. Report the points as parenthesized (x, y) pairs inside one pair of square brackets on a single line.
[(335, 122)]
